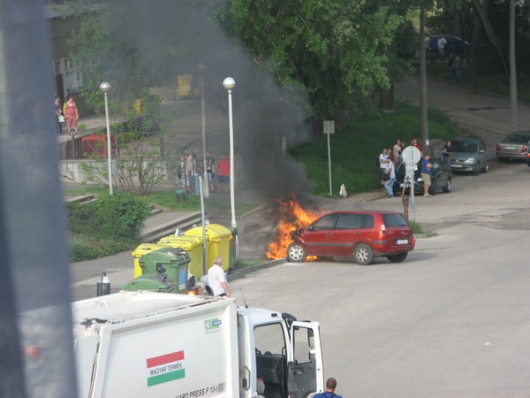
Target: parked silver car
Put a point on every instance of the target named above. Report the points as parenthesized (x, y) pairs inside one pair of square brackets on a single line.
[(469, 154), (514, 146)]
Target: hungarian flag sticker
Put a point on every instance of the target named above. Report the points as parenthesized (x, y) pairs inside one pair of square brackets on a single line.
[(165, 368)]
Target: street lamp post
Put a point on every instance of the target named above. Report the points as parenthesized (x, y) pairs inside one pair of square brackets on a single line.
[(206, 189), (229, 84), (105, 87)]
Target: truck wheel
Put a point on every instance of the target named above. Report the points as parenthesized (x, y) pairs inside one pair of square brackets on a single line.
[(363, 254), (296, 253), (397, 258)]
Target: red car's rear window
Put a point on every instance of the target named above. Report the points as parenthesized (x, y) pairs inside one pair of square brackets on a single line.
[(395, 220)]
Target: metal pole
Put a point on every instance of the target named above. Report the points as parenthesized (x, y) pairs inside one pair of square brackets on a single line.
[(412, 195), (232, 174), (329, 164), (513, 74), (109, 154), (203, 218), (423, 86), (206, 182)]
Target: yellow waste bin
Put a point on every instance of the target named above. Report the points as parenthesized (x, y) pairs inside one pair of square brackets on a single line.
[(219, 242), (184, 85), (190, 244), (144, 248)]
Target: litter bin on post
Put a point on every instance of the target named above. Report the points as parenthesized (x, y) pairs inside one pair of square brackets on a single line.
[(190, 244), (219, 240), (103, 285), (180, 195), (169, 261), (140, 251)]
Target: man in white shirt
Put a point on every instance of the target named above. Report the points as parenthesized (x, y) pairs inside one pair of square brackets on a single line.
[(217, 279)]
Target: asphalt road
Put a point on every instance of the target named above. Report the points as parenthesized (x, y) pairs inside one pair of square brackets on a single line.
[(451, 321)]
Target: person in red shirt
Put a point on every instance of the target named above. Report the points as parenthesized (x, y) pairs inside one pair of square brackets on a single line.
[(224, 173), (414, 142)]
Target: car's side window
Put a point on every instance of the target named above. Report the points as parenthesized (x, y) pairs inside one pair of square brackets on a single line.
[(366, 221), (326, 222), (347, 221)]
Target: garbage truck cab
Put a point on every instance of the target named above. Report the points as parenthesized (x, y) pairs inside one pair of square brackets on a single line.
[(285, 353)]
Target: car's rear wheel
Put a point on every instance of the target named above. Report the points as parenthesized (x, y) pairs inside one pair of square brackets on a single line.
[(448, 187), (432, 188), (397, 258), (363, 254), (296, 253)]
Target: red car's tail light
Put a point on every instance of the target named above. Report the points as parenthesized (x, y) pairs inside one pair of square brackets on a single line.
[(498, 147), (524, 148)]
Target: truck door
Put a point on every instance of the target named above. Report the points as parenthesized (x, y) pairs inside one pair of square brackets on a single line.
[(305, 370)]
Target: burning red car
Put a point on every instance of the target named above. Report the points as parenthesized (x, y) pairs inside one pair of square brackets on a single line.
[(363, 235)]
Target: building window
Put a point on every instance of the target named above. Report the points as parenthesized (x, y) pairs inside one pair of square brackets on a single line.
[(72, 78)]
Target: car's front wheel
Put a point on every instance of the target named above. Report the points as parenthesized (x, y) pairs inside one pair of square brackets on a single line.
[(296, 253), (363, 254), (397, 258), (486, 168)]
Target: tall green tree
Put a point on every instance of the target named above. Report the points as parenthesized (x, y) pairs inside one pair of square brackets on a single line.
[(335, 50)]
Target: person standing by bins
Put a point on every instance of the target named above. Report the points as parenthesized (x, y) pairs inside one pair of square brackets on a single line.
[(210, 170), (331, 385), (426, 166), (217, 279), (71, 114), (224, 174)]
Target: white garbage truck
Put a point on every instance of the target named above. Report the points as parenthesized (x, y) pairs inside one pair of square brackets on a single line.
[(145, 344)]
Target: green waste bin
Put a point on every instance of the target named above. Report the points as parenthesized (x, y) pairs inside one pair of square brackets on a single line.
[(140, 251), (152, 283), (193, 246), (170, 261), (220, 243)]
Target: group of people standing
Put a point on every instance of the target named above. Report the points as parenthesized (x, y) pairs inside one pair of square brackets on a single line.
[(66, 113), (189, 169), (390, 159)]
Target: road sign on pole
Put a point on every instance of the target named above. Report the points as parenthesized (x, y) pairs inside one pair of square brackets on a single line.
[(329, 128), (411, 155)]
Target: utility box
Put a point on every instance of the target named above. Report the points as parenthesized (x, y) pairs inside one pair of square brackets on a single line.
[(97, 144), (169, 261), (219, 243), (193, 246), (185, 86)]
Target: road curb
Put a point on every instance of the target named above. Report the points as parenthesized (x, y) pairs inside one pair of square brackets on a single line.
[(240, 273)]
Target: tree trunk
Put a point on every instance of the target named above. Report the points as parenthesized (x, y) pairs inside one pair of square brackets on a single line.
[(482, 10)]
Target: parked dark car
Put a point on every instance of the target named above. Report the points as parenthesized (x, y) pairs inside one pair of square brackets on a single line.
[(440, 178), (469, 154), (454, 45), (363, 235), (514, 146)]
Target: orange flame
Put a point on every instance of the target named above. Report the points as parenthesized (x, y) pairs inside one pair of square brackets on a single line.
[(293, 218)]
